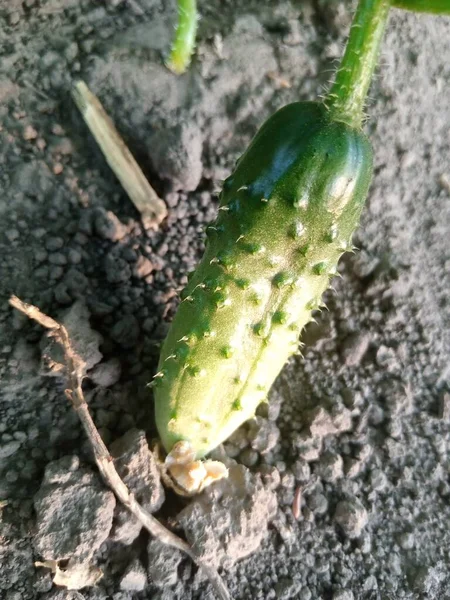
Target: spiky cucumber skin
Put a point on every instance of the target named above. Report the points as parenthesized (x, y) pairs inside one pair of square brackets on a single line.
[(286, 215)]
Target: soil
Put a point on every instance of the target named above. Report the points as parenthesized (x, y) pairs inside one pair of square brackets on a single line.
[(358, 429)]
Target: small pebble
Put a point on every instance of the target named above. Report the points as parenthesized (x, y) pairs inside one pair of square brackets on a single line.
[(71, 51), (12, 234), (330, 467), (248, 457), (74, 256), (117, 269), (126, 331), (143, 267), (378, 480), (29, 133), (351, 516), (108, 226), (287, 481), (239, 438), (444, 406), (354, 348), (11, 476), (370, 584), (135, 578), (343, 595), (365, 542), (106, 373), (305, 594), (263, 435), (353, 467), (57, 258), (317, 503), (54, 243), (14, 19), (406, 540), (301, 471), (270, 476), (231, 450), (9, 449)]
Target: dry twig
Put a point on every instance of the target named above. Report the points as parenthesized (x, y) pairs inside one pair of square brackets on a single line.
[(74, 365), (146, 200)]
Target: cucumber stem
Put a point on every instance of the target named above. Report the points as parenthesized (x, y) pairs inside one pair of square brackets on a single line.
[(347, 97), (437, 7), (184, 40)]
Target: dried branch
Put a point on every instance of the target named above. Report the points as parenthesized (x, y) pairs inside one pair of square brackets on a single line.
[(146, 200), (74, 365)]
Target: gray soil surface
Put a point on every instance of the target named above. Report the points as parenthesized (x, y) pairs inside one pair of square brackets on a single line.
[(358, 429)]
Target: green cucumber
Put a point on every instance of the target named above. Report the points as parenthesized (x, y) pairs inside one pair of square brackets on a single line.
[(286, 215)]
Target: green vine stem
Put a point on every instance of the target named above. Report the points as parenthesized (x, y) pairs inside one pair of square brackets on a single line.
[(438, 7), (348, 94), (184, 41)]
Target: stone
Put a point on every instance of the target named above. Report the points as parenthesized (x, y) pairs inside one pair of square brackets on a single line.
[(177, 155), (308, 447), (317, 503), (74, 511), (135, 578), (163, 562), (142, 267), (320, 422), (330, 467), (263, 435), (301, 471), (108, 226), (343, 595), (126, 331), (354, 348), (137, 467), (351, 516), (106, 373), (229, 520)]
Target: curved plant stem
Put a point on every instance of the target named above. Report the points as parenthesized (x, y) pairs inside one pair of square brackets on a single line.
[(437, 7), (184, 41), (348, 94)]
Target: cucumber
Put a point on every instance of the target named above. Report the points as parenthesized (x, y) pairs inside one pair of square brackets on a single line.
[(286, 215)]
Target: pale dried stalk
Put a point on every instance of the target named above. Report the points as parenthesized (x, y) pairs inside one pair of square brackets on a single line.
[(74, 365), (128, 172)]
